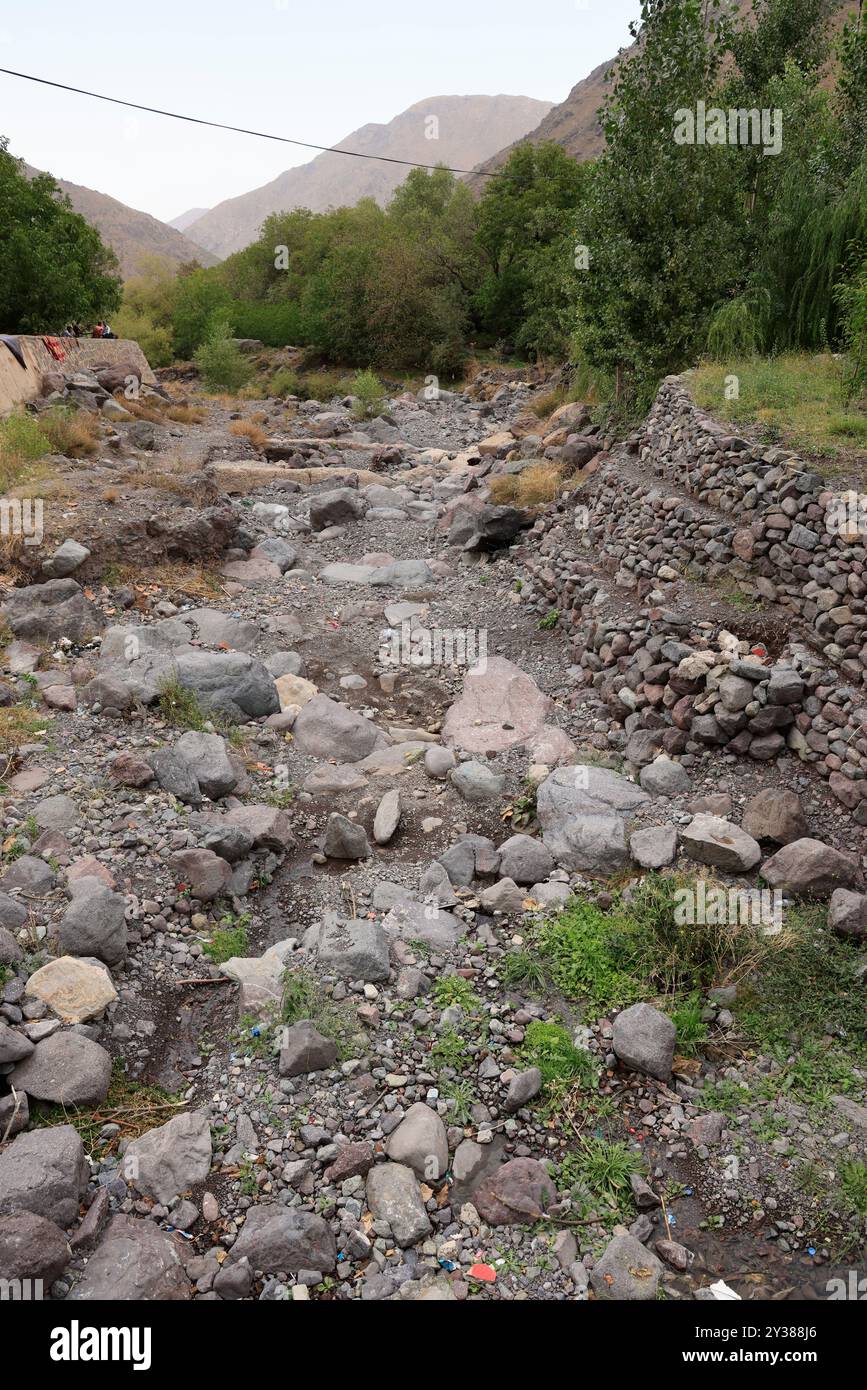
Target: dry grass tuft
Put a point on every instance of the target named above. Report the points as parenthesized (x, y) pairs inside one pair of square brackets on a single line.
[(248, 429), (538, 484), (75, 434), (186, 414)]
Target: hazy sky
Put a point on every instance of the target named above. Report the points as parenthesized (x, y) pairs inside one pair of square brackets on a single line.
[(314, 71)]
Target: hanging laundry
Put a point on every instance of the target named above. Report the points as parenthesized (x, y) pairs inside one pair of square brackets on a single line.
[(54, 347)]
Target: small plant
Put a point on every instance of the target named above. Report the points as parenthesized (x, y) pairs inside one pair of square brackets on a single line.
[(180, 707), (369, 394), (229, 940), (284, 383), (691, 1027), (248, 429), (853, 1184), (604, 1168), (451, 990), (549, 1047), (550, 621), (450, 1050), (459, 1095), (304, 997), (523, 970), (221, 363)]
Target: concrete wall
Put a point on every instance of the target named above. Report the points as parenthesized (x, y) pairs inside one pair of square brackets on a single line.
[(19, 384)]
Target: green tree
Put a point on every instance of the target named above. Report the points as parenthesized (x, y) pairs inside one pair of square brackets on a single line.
[(663, 221), (53, 265), (526, 225)]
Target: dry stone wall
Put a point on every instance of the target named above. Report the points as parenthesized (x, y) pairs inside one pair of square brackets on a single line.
[(684, 516)]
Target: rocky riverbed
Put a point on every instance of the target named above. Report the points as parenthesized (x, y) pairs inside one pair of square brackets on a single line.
[(317, 851)]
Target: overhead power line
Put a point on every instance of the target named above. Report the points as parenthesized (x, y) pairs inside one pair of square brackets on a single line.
[(238, 130)]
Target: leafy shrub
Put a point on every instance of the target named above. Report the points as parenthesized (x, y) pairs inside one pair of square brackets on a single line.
[(221, 363), (369, 393), (549, 1047), (285, 382)]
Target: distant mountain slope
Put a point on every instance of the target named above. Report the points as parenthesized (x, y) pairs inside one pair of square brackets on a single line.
[(131, 233), (574, 122), (186, 219), (470, 128)]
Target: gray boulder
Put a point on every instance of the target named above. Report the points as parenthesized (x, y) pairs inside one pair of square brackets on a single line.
[(775, 814), (325, 729), (627, 1271), (643, 1040), (134, 1262), (44, 1171), (65, 1069), (207, 759), (175, 775), (477, 783), (424, 922), (847, 913), (94, 924), (809, 869), (580, 810), (654, 847), (234, 682), (170, 1159), (394, 1197), (66, 559), (355, 950), (304, 1049), (207, 874), (334, 508), (13, 914), (279, 1239), (345, 838), (711, 840), (525, 860), (420, 1142), (53, 610), (663, 777), (32, 1247)]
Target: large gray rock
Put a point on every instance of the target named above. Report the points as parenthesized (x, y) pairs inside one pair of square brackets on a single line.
[(501, 707), (711, 840), (275, 1238), (325, 729), (56, 813), (206, 756), (393, 1196), (269, 826), (14, 1046), (664, 777), (207, 875), (44, 1171), (356, 950), (134, 1262), (66, 559), (421, 1143), (425, 922), (233, 682), (31, 875), (345, 838), (643, 1040), (809, 869), (170, 1159), (216, 629), (775, 814), (580, 810), (627, 1271), (523, 1087), (847, 913), (304, 1049), (477, 783), (654, 847), (66, 1069), (31, 1247), (517, 1193), (525, 860), (53, 610), (487, 527), (74, 989), (94, 924), (13, 914), (175, 775), (334, 508), (387, 817)]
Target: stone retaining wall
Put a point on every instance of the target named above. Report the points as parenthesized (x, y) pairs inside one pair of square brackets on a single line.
[(19, 385), (689, 512)]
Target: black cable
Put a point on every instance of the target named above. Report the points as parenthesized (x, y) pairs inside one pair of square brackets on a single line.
[(240, 130)]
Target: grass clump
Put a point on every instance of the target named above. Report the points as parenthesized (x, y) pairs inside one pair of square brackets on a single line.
[(305, 997), (285, 383), (21, 724), (598, 1174), (549, 1047), (228, 940), (248, 429), (853, 1185), (454, 990), (537, 484), (133, 1105), (691, 1027), (180, 707)]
